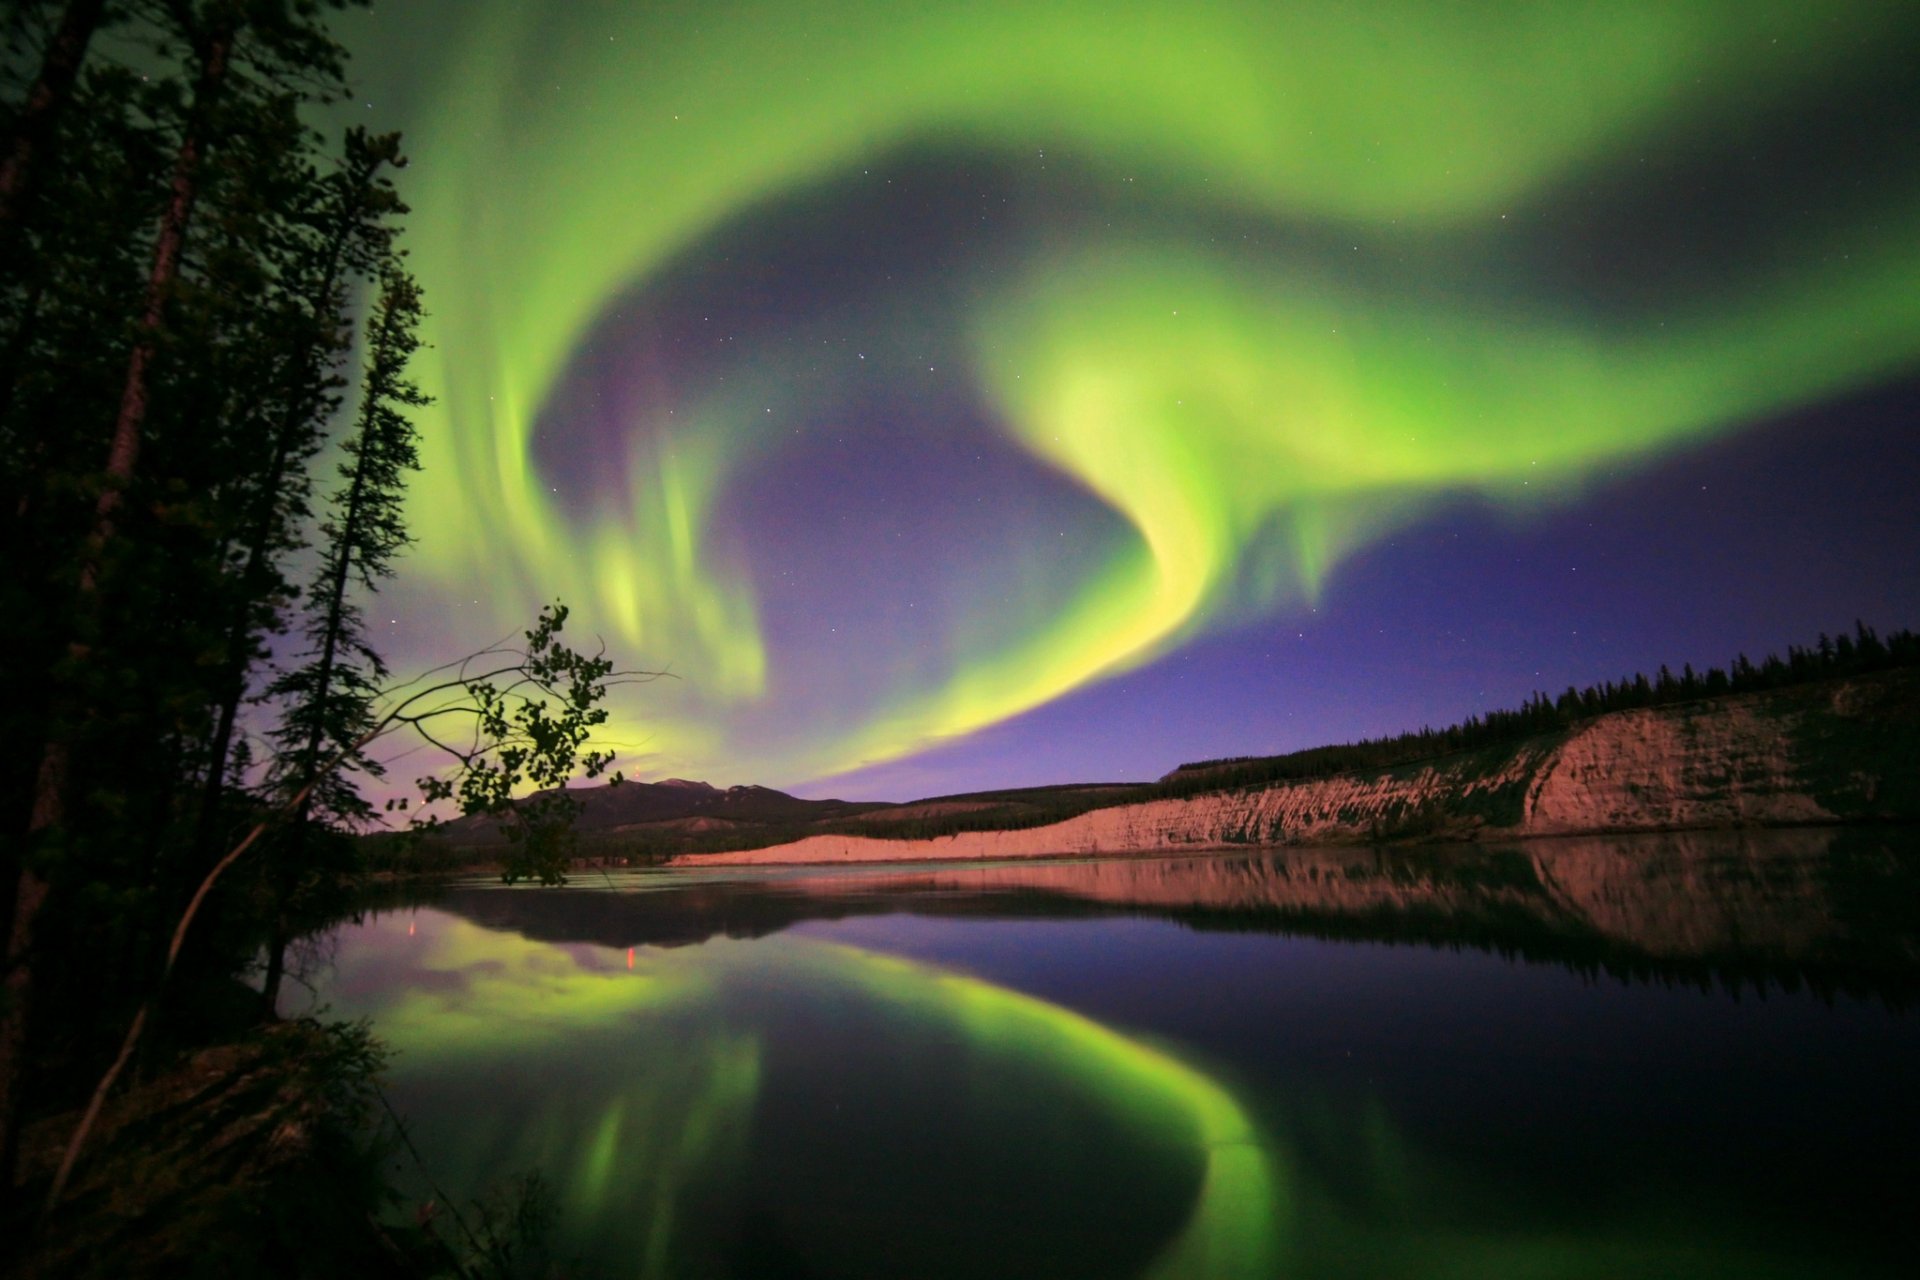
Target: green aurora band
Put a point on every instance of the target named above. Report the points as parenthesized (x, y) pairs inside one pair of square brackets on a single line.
[(1251, 425)]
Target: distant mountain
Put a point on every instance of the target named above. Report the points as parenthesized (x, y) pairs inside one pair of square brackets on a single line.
[(677, 805)]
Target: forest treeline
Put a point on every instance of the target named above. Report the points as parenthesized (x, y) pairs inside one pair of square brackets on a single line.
[(1859, 652), (207, 333)]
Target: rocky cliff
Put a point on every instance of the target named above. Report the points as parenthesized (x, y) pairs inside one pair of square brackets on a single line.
[(1839, 751)]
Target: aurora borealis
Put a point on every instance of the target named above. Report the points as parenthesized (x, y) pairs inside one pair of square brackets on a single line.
[(990, 378)]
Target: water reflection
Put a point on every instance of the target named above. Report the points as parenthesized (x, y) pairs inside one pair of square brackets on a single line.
[(1834, 910), (1182, 1067), (635, 1090)]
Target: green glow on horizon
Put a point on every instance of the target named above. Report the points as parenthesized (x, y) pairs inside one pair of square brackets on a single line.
[(485, 991), (1252, 427)]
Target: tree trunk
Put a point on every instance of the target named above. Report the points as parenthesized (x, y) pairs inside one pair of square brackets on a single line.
[(123, 453), (51, 91), (51, 783), (276, 965)]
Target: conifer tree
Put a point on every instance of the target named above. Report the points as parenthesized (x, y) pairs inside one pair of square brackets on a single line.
[(328, 699), (346, 238), (328, 702), (131, 290)]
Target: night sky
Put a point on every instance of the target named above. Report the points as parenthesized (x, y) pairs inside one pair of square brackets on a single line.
[(975, 395)]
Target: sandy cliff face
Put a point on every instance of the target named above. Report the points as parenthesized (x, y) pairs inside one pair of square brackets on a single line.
[(1341, 808), (1679, 767), (1840, 751)]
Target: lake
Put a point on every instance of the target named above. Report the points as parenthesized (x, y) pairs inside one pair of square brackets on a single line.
[(1686, 1055)]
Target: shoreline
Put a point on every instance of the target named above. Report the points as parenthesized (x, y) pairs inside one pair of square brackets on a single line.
[(1841, 754), (1832, 753), (757, 858)]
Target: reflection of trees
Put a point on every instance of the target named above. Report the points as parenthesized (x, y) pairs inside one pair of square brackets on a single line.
[(1828, 910)]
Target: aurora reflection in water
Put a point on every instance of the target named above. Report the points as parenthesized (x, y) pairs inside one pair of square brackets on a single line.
[(1019, 1070)]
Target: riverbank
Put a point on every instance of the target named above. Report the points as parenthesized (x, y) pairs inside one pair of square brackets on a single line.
[(1834, 753), (239, 1158)]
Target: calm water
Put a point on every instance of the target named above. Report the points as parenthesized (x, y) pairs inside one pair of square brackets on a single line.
[(1676, 1056)]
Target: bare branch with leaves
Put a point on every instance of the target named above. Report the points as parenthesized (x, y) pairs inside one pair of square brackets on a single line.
[(531, 712)]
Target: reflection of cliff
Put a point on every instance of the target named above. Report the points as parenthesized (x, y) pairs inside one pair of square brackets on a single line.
[(1832, 909), (1841, 751), (1786, 896)]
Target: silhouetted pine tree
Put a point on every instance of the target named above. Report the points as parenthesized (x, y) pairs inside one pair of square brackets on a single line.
[(328, 701), (344, 240)]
